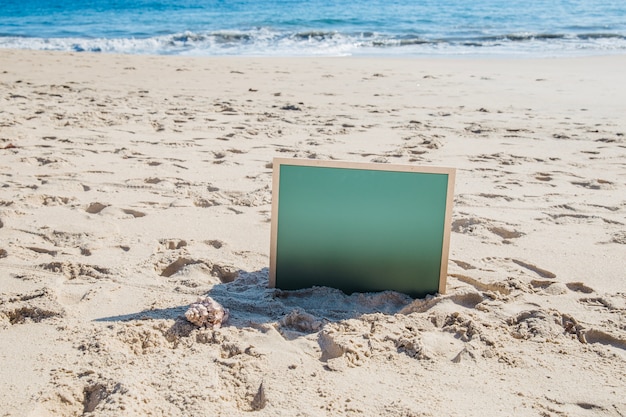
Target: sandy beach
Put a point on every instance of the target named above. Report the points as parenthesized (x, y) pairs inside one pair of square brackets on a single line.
[(132, 185)]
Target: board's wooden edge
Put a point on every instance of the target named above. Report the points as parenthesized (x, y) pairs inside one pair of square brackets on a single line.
[(363, 165), (274, 221), (450, 172), (447, 226)]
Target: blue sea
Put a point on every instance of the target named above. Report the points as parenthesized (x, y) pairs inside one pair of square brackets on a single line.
[(533, 28)]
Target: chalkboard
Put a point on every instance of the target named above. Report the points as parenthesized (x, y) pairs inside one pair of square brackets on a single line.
[(360, 227)]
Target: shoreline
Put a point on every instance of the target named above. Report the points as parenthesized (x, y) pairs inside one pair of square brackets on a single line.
[(130, 185)]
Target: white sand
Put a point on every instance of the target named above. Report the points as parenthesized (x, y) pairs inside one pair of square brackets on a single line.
[(130, 185)]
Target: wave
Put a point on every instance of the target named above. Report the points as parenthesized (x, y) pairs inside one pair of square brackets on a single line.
[(266, 41), (525, 37)]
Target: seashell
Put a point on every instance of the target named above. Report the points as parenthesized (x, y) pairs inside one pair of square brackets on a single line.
[(206, 312)]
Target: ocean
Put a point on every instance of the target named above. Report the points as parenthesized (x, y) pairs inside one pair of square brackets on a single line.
[(529, 28)]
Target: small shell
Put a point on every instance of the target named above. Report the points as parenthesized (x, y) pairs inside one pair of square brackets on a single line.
[(206, 312)]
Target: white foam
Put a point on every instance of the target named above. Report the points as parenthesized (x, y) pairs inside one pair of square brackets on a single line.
[(268, 42)]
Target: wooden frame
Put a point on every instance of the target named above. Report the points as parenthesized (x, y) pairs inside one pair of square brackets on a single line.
[(354, 227)]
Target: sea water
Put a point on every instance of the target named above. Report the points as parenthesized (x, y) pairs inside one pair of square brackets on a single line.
[(318, 27)]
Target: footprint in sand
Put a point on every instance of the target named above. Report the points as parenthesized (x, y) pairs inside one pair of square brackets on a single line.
[(542, 283), (48, 200), (543, 176), (99, 208), (42, 250), (619, 237), (497, 287), (122, 213), (219, 155), (95, 208), (217, 244), (225, 273), (178, 266), (598, 336), (134, 213), (477, 226), (579, 287), (539, 271), (549, 287), (177, 261), (33, 307), (597, 184), (74, 270), (173, 244), (616, 302), (467, 225), (204, 203), (505, 233), (464, 265), (23, 315)]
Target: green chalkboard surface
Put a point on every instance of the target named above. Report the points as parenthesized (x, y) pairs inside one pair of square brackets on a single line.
[(360, 227)]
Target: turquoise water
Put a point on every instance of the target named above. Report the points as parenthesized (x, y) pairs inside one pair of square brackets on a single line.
[(316, 27)]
